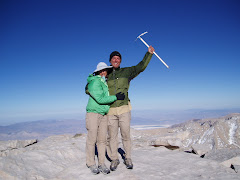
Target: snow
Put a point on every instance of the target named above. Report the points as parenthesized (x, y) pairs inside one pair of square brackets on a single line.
[(232, 130), (204, 138)]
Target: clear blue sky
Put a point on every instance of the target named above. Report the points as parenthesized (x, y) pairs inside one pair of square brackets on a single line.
[(48, 48)]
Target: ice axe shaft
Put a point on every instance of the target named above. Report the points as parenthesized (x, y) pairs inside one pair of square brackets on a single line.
[(154, 51)]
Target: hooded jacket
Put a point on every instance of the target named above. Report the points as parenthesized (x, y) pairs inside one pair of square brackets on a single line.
[(119, 79), (99, 98)]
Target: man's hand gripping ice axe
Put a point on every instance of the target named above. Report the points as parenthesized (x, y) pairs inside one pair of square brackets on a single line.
[(139, 37)]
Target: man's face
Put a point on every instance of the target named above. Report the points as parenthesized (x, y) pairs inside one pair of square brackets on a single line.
[(115, 61)]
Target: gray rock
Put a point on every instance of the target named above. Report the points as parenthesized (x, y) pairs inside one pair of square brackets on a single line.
[(201, 149), (9, 146), (221, 155), (63, 157), (232, 161), (217, 133)]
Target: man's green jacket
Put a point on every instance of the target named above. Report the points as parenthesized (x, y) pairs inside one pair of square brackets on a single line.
[(119, 79)]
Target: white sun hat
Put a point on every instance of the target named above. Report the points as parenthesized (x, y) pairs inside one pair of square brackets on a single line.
[(101, 66)]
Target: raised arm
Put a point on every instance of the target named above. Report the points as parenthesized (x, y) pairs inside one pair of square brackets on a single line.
[(141, 66)]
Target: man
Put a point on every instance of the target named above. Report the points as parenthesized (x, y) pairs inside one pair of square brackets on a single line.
[(119, 115)]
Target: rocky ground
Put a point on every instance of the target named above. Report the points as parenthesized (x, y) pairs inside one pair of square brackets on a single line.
[(163, 153)]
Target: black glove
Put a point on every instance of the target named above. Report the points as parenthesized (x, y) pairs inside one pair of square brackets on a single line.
[(120, 96)]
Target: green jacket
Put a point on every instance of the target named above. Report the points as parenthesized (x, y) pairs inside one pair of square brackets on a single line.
[(119, 79), (99, 98)]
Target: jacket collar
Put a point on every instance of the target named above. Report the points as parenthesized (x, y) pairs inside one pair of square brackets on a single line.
[(116, 69)]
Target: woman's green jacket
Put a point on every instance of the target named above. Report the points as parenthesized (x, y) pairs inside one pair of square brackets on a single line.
[(99, 100)]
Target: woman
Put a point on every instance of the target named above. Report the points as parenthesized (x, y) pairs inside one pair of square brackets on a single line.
[(96, 119)]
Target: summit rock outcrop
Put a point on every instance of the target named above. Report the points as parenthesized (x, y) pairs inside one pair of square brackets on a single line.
[(157, 154)]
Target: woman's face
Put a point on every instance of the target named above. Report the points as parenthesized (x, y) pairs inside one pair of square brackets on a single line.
[(103, 72)]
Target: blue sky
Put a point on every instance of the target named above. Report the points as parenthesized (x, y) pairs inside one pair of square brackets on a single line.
[(48, 49)]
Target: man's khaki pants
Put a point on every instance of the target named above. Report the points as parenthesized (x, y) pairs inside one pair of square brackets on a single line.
[(114, 122), (96, 125)]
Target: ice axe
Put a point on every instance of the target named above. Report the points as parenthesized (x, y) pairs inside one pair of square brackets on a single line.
[(154, 51)]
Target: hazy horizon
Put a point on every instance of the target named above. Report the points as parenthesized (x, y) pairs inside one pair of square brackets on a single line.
[(149, 119), (153, 115)]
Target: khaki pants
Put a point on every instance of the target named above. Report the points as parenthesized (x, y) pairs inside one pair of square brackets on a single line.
[(96, 125), (123, 122)]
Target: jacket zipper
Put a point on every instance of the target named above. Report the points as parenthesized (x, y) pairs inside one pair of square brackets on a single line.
[(115, 86)]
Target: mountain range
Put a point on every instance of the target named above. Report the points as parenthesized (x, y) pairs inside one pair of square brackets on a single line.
[(140, 119)]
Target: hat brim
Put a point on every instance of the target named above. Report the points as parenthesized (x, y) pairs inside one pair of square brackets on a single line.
[(108, 67)]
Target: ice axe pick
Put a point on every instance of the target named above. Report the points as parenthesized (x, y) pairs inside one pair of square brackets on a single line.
[(139, 37)]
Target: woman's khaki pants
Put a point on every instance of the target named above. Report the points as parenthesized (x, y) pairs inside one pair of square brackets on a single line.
[(96, 125)]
